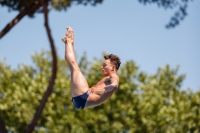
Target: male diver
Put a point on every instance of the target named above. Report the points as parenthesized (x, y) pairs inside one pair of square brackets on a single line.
[(84, 96)]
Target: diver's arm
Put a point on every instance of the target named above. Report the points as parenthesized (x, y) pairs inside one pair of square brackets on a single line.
[(114, 83)]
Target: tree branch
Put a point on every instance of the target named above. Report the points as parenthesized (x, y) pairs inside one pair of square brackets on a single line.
[(54, 71), (2, 127), (23, 13)]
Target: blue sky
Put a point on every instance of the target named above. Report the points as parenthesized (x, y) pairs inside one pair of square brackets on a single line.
[(129, 29)]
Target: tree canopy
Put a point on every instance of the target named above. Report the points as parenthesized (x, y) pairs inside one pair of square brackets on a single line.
[(143, 103), (35, 6), (179, 5)]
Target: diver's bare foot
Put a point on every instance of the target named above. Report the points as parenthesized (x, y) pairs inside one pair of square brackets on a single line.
[(69, 37)]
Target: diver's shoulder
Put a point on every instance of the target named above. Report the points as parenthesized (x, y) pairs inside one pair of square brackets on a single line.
[(114, 75)]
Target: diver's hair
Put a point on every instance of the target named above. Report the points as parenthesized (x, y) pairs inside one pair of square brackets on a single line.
[(114, 59)]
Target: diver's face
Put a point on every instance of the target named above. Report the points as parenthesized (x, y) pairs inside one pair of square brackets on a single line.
[(107, 67)]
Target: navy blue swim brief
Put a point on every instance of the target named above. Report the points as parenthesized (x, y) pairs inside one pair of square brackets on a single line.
[(80, 101)]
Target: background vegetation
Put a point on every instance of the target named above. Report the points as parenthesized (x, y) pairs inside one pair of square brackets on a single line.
[(143, 103)]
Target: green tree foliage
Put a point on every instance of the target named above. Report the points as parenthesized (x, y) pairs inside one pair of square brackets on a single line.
[(30, 7), (19, 5), (142, 104), (179, 5)]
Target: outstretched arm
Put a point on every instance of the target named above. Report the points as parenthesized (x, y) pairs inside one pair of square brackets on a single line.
[(114, 84)]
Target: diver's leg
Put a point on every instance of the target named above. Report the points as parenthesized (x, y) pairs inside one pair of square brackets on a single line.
[(78, 83), (69, 38)]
